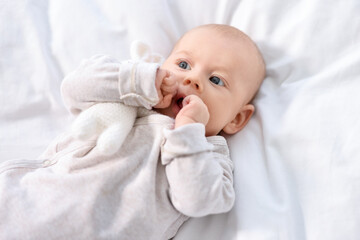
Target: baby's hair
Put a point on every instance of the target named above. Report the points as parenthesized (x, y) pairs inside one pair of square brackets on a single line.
[(227, 30)]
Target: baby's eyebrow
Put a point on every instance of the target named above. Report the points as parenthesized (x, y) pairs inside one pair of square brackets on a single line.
[(183, 52)]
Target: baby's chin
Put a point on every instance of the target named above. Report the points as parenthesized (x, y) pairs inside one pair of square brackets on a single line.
[(175, 106), (165, 111)]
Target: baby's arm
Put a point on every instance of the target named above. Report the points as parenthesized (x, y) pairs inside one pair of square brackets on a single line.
[(199, 171), (102, 79)]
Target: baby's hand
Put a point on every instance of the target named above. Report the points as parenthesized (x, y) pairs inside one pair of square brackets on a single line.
[(194, 111), (166, 87)]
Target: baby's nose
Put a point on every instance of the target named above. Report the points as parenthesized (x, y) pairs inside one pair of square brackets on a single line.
[(193, 83)]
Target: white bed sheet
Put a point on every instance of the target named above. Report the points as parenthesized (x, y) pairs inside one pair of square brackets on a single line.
[(297, 168)]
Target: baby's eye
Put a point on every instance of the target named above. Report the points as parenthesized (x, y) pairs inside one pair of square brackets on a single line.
[(184, 65), (217, 81)]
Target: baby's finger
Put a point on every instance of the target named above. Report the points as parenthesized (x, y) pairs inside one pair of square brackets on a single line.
[(191, 98), (167, 100), (186, 100), (161, 74), (169, 80), (164, 102), (172, 90)]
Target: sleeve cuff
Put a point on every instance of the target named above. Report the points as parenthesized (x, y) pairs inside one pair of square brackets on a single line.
[(185, 140), (137, 83)]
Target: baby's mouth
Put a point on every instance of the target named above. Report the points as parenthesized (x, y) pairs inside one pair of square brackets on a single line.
[(179, 102)]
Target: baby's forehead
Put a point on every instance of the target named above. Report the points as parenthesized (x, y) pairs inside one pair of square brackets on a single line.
[(226, 32), (231, 37)]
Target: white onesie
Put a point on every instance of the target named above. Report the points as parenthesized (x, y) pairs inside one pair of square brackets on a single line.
[(157, 179)]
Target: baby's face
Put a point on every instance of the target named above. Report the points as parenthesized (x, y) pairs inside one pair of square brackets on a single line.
[(214, 68)]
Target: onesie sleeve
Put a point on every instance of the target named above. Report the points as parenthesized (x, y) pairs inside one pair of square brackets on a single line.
[(199, 171), (105, 79)]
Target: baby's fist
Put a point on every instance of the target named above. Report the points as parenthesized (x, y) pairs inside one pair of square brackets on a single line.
[(194, 111), (166, 87)]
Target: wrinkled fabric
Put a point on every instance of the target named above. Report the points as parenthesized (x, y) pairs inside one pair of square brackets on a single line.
[(146, 190)]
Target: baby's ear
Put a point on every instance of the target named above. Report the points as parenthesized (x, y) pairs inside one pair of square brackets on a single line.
[(240, 120)]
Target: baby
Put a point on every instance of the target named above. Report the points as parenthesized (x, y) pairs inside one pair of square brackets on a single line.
[(173, 164), (218, 70)]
